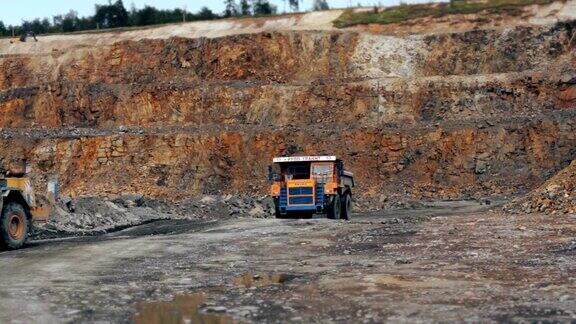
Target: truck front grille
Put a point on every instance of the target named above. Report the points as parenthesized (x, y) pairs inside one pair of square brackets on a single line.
[(301, 200), (300, 191)]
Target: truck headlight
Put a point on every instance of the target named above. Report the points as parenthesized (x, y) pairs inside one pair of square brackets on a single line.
[(275, 190)]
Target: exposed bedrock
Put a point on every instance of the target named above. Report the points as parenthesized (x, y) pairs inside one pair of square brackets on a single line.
[(453, 161), (442, 116)]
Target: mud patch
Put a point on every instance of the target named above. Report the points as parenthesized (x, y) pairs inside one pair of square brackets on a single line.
[(182, 309), (249, 280)]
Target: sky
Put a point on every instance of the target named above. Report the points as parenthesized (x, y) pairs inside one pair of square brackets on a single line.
[(12, 12)]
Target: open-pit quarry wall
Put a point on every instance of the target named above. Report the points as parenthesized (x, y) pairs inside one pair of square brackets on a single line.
[(445, 115)]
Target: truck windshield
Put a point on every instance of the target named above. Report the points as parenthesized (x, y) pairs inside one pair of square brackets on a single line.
[(322, 172), (297, 172)]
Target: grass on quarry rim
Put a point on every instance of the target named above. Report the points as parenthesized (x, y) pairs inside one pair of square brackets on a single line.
[(406, 12)]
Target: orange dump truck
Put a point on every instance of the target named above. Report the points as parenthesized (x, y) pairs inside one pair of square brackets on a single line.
[(307, 185)]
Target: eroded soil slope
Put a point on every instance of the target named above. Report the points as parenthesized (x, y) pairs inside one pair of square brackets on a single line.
[(449, 115)]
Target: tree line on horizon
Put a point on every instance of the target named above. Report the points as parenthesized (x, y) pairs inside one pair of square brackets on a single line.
[(115, 15)]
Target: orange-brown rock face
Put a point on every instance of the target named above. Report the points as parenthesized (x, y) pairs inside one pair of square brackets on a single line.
[(443, 116)]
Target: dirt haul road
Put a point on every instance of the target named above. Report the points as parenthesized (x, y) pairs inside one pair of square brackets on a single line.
[(452, 262)]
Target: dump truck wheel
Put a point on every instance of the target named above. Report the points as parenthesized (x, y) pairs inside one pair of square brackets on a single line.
[(277, 209), (335, 208), (14, 225), (277, 214), (346, 206)]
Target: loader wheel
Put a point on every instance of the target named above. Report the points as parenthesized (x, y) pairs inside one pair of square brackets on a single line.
[(335, 208), (14, 226), (346, 206)]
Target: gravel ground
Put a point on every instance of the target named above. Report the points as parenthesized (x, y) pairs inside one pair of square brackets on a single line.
[(450, 262), (92, 216)]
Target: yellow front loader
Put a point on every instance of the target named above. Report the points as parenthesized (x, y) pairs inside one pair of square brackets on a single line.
[(19, 209)]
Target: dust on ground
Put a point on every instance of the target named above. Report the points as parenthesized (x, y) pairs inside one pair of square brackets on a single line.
[(454, 261)]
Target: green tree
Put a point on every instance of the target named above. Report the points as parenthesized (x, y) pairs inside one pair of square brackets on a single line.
[(70, 22), (3, 29), (244, 8), (178, 15), (132, 15), (46, 25), (112, 15), (103, 15), (121, 13), (294, 5), (231, 8), (320, 5), (263, 8), (86, 23), (206, 14), (15, 30), (57, 23), (37, 26), (147, 16)]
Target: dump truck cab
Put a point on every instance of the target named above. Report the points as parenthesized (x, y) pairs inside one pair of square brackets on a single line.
[(307, 185), (18, 208)]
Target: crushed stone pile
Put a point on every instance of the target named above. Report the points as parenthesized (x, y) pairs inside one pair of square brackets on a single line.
[(97, 215), (91, 215), (555, 196)]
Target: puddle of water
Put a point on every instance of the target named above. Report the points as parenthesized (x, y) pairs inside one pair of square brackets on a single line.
[(183, 309), (253, 280)]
